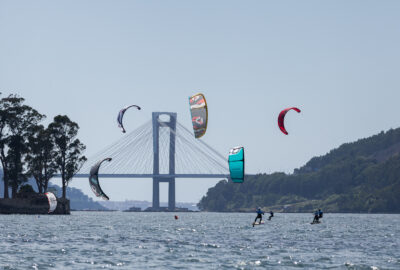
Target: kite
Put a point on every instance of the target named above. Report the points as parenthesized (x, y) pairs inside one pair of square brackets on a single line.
[(52, 201), (281, 118), (121, 116), (94, 180), (199, 113), (236, 164)]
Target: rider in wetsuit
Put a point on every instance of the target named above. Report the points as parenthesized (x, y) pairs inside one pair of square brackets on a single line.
[(259, 215), (271, 214), (320, 213), (316, 217)]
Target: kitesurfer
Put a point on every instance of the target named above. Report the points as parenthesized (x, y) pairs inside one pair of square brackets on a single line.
[(320, 213), (259, 215), (316, 217), (271, 214)]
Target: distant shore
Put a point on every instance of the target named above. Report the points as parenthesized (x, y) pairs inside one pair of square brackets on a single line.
[(238, 212)]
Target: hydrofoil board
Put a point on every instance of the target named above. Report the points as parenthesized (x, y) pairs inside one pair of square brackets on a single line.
[(258, 223)]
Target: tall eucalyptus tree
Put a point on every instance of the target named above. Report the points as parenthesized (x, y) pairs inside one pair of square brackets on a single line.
[(69, 154), (41, 157), (17, 120)]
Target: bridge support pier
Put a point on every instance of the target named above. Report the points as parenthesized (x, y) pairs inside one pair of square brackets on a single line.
[(156, 193), (157, 124)]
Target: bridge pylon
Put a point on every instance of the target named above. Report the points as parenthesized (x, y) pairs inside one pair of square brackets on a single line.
[(171, 125)]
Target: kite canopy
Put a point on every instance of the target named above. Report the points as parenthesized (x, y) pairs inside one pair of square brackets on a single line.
[(199, 112), (281, 118), (52, 201), (121, 116), (236, 164), (94, 180)]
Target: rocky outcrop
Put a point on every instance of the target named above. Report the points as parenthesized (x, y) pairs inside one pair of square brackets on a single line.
[(34, 205)]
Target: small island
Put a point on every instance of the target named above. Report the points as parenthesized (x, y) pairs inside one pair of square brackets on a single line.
[(133, 209), (29, 202), (28, 150)]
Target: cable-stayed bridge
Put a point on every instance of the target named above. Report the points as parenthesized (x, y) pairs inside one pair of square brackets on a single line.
[(161, 149)]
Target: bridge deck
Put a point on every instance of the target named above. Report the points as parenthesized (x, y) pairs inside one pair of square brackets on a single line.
[(153, 175)]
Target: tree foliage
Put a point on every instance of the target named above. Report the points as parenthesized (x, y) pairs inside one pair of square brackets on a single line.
[(41, 156), (69, 156), (28, 149), (16, 122)]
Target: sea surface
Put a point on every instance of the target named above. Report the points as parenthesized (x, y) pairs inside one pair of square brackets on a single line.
[(117, 240)]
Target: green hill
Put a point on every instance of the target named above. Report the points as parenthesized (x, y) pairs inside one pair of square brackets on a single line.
[(363, 176)]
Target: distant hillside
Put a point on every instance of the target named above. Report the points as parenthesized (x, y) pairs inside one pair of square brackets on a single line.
[(379, 148), (78, 200), (363, 176)]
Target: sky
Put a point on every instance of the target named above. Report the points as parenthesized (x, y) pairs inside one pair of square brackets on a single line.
[(338, 61)]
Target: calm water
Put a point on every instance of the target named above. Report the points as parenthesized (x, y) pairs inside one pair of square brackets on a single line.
[(95, 240)]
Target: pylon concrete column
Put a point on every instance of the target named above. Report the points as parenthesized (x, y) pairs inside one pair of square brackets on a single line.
[(157, 124)]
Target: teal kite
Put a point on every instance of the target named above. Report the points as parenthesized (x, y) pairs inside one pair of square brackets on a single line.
[(236, 164)]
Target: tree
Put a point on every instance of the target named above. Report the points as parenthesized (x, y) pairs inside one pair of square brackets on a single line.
[(16, 121), (69, 155), (16, 173), (25, 191), (41, 157), (4, 119)]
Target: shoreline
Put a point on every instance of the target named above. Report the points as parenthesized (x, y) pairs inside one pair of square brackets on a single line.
[(358, 213)]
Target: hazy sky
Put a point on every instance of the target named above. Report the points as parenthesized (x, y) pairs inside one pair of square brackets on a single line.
[(338, 61)]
